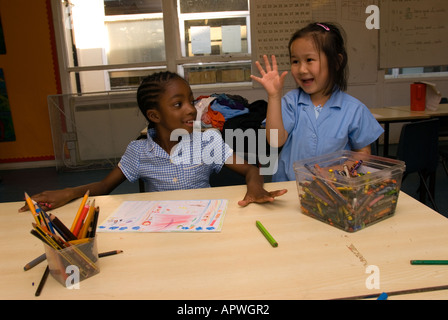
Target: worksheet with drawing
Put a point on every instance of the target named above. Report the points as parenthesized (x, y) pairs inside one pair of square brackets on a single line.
[(167, 216)]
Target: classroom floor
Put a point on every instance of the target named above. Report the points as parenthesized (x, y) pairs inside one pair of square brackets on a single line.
[(14, 183)]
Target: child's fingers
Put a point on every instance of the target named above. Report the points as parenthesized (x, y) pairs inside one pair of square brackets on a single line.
[(270, 197), (274, 63), (267, 64), (260, 68), (24, 208), (248, 200), (259, 80), (46, 206), (278, 193), (243, 203)]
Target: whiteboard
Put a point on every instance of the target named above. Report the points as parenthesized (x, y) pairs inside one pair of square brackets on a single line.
[(274, 22), (413, 33)]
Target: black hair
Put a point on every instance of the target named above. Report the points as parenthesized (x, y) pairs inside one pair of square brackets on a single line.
[(150, 89), (329, 39)]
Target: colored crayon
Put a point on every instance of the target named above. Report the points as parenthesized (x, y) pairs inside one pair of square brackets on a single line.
[(267, 235), (88, 220), (81, 207), (383, 296), (80, 220), (35, 262), (92, 230), (61, 228), (109, 253), (32, 208), (42, 281), (429, 262)]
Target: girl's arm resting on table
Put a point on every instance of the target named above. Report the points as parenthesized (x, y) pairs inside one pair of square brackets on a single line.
[(57, 198), (255, 190)]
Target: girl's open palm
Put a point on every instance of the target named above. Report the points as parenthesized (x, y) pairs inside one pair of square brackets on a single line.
[(270, 79)]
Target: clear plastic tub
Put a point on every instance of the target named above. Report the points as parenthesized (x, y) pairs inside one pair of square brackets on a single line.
[(349, 190)]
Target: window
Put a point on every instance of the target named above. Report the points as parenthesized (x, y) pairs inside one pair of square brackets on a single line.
[(113, 44), (396, 73), (209, 44)]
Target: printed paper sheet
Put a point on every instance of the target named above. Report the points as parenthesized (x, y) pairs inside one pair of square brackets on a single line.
[(167, 216)]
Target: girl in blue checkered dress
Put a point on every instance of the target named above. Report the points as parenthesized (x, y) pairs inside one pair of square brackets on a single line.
[(174, 156)]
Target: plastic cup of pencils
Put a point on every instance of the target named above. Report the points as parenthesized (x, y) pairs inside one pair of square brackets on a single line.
[(71, 265)]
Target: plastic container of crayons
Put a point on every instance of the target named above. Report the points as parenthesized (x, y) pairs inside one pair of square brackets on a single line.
[(74, 263), (349, 190)]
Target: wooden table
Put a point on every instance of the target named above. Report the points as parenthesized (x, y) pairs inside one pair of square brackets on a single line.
[(394, 114), (313, 260), (389, 115), (442, 111)]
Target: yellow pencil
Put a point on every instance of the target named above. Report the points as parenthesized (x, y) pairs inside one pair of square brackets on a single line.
[(87, 221), (32, 208), (79, 241), (83, 202)]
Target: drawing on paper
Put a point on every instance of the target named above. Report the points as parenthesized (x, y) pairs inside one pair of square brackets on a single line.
[(167, 216)]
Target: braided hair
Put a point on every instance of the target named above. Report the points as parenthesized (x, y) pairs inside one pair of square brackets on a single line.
[(150, 89)]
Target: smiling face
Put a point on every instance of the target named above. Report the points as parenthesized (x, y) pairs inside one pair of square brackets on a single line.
[(175, 108), (309, 68)]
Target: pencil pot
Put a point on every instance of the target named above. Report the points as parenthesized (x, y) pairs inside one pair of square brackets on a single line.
[(73, 264), (418, 96), (349, 190)]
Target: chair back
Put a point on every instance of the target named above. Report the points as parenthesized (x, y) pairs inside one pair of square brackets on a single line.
[(418, 146)]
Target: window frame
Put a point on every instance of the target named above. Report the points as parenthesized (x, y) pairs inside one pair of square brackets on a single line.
[(174, 60), (412, 73)]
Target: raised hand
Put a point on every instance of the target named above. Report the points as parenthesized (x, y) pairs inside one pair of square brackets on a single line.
[(270, 79)]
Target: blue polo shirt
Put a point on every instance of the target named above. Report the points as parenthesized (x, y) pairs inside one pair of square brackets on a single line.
[(344, 123), (189, 166)]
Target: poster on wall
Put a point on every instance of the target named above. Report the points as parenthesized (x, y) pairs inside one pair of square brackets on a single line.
[(6, 124)]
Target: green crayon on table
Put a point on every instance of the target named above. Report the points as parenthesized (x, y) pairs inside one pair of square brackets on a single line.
[(429, 262), (266, 234)]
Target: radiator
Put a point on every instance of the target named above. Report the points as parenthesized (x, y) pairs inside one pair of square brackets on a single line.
[(103, 130)]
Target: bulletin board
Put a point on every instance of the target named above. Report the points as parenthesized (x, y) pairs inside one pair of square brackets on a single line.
[(29, 76), (414, 33), (274, 22)]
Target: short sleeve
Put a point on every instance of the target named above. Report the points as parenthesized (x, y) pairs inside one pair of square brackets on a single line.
[(215, 151), (367, 129), (130, 161)]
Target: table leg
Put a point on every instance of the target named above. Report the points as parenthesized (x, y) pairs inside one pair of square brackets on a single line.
[(386, 140)]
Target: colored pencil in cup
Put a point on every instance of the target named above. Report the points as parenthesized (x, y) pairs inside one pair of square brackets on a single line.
[(81, 207)]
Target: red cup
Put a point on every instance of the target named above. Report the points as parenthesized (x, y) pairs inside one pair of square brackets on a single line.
[(418, 96)]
